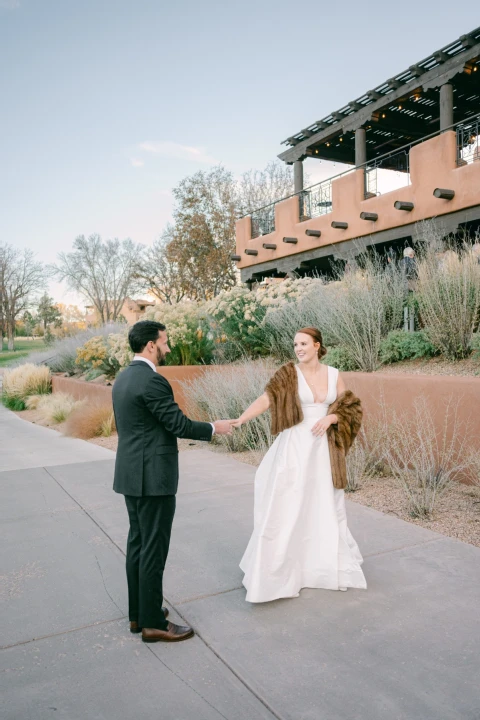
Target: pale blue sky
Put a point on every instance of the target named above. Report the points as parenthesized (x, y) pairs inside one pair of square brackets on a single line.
[(108, 104)]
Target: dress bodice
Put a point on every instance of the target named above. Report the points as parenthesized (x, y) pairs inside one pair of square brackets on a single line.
[(309, 407)]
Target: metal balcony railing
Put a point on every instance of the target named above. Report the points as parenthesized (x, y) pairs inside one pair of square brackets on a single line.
[(263, 220), (387, 173), (468, 141), (316, 200)]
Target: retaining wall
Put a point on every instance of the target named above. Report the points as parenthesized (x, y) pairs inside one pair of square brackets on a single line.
[(396, 391)]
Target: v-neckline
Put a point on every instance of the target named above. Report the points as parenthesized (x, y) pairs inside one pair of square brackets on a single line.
[(310, 389)]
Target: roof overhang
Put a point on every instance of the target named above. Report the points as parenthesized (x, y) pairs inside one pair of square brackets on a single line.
[(457, 62)]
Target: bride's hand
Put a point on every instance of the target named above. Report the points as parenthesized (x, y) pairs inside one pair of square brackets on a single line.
[(236, 423), (321, 427)]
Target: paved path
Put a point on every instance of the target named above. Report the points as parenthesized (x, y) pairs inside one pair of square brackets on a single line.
[(407, 648)]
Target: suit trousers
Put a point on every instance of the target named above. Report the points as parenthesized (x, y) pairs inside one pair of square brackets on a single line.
[(151, 519)]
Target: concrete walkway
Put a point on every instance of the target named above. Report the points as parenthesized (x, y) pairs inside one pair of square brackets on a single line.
[(407, 648)]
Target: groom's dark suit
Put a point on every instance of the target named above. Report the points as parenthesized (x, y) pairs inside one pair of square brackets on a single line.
[(146, 471)]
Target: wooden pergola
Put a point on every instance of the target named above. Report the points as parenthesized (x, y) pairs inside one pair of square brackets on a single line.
[(432, 94)]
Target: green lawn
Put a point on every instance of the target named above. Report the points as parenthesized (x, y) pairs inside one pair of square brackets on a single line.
[(23, 347)]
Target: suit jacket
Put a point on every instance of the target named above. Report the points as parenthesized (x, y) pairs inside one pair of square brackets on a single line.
[(148, 422)]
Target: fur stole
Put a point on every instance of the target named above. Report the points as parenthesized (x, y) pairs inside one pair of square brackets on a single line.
[(282, 391), (348, 409), (286, 411)]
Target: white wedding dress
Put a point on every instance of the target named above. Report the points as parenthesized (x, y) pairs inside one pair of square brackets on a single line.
[(300, 537)]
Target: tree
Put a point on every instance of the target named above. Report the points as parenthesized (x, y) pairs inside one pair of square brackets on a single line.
[(161, 272), (103, 271), (48, 312), (203, 238), (21, 278), (29, 322), (257, 188)]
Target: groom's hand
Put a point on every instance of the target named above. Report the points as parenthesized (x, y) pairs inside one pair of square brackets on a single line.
[(222, 427)]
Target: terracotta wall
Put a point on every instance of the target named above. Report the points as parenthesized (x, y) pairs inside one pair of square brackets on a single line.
[(432, 164), (401, 391), (80, 390), (397, 391)]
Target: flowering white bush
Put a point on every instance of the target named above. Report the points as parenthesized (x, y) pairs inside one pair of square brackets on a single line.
[(119, 352), (238, 315), (188, 332)]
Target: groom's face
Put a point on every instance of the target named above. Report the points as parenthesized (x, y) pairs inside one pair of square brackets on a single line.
[(161, 347)]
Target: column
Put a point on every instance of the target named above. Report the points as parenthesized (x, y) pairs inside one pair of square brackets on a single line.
[(298, 176), (446, 106), (360, 147)]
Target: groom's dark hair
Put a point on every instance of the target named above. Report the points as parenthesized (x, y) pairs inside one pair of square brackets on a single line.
[(142, 332)]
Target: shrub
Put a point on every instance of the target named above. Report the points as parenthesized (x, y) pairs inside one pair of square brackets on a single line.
[(423, 461), (238, 316), (366, 457), (102, 355), (189, 335), (57, 407), (475, 345), (61, 356), (23, 381), (362, 309), (282, 322), (226, 393), (91, 420), (400, 345), (448, 295), (340, 358)]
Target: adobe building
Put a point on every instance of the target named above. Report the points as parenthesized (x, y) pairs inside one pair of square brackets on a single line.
[(413, 148), (132, 311)]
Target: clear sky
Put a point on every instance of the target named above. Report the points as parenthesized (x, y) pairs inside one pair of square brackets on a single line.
[(108, 104)]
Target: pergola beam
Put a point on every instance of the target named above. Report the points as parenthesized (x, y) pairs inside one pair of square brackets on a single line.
[(363, 116)]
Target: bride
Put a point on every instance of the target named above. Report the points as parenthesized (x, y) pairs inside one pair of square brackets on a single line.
[(300, 537)]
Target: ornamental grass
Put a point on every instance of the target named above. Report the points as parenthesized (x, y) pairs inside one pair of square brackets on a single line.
[(24, 381), (225, 394), (91, 420), (55, 408)]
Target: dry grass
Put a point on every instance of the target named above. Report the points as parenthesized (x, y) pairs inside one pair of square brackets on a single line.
[(448, 294), (90, 421), (56, 408), (225, 394), (423, 461), (23, 381)]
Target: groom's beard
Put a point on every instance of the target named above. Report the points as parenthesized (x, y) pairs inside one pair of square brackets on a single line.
[(160, 357)]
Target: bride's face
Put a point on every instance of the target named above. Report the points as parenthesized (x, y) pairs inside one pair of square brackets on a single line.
[(305, 348)]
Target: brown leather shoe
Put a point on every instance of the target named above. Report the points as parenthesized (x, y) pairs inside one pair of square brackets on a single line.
[(174, 633), (134, 626)]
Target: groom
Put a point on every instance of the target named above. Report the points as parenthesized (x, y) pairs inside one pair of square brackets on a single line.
[(146, 472)]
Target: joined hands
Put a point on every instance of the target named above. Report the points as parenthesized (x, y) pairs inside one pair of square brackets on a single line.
[(223, 427)]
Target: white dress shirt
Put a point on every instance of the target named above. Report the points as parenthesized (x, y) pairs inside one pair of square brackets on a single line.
[(149, 362)]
